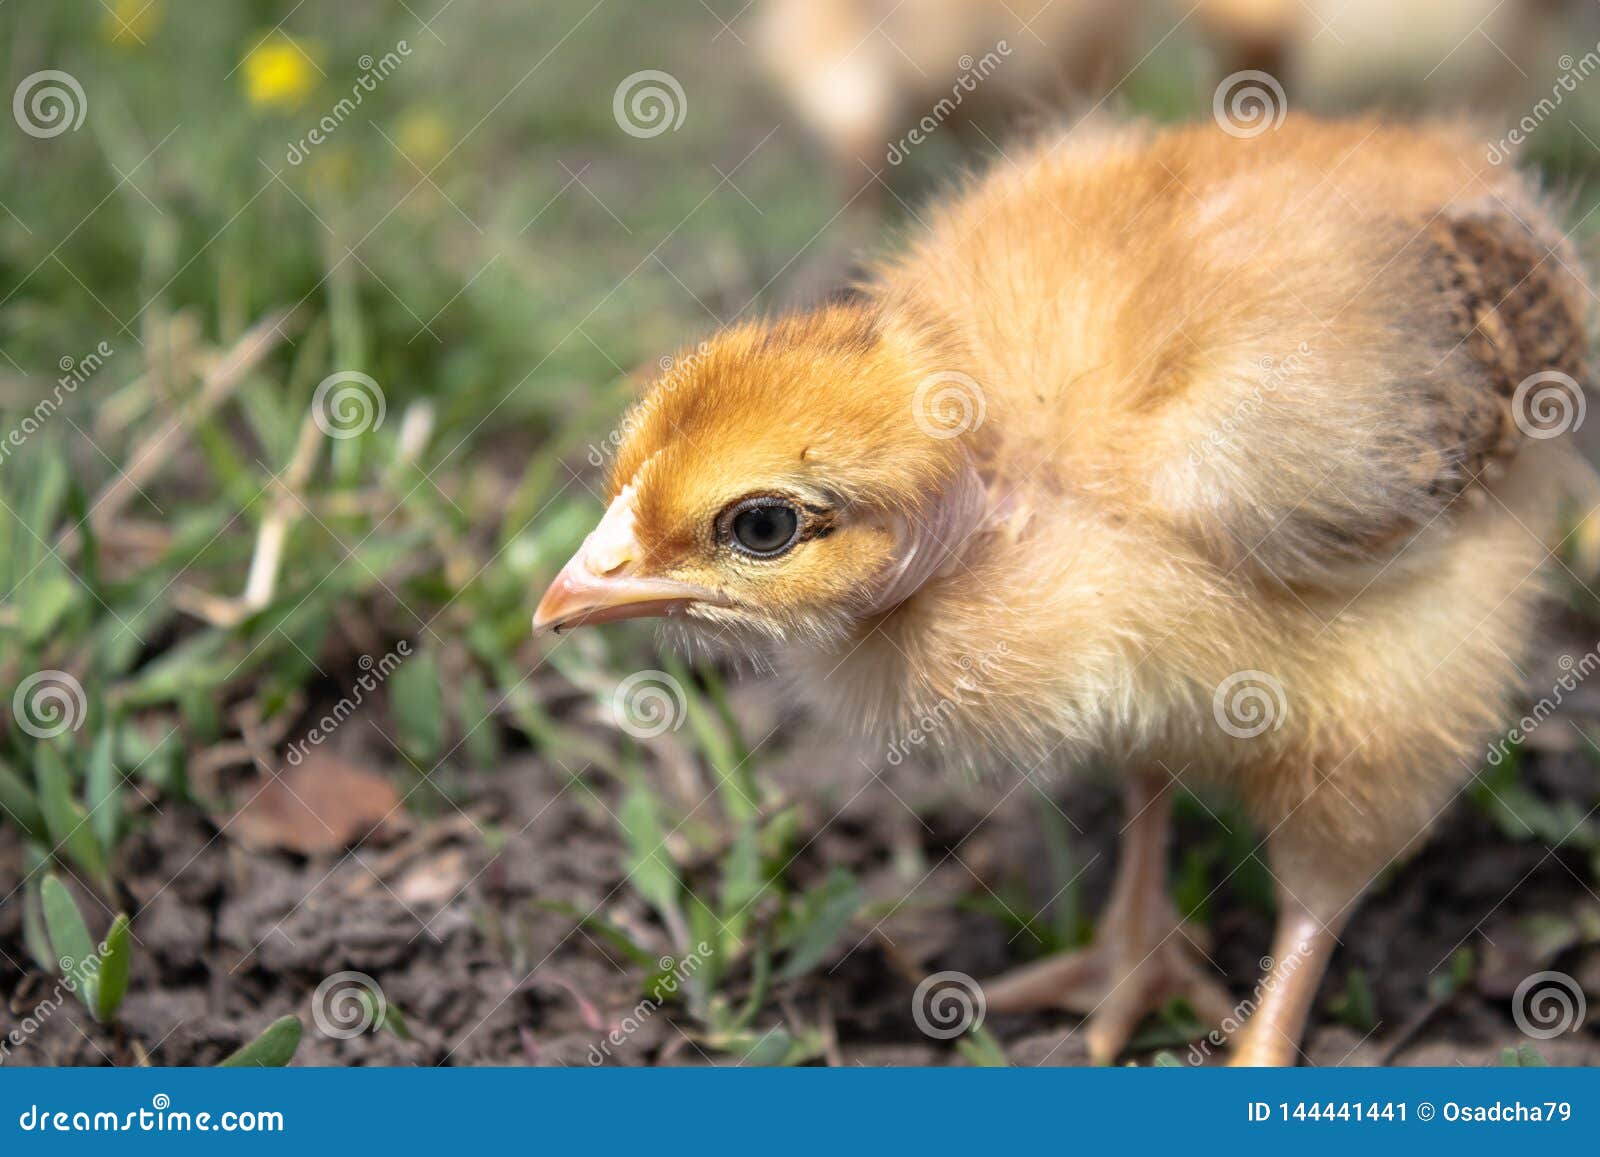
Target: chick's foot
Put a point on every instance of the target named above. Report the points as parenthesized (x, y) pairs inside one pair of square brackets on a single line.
[(1143, 954), (1129, 971)]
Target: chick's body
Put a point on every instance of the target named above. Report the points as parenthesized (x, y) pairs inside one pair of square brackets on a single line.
[(1242, 409), (1203, 455)]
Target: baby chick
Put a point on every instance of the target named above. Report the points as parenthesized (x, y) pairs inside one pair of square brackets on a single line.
[(1344, 53), (860, 73), (1220, 460)]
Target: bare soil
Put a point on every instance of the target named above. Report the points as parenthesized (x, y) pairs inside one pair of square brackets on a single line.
[(462, 914)]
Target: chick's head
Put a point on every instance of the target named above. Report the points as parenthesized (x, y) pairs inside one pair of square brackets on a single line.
[(774, 483)]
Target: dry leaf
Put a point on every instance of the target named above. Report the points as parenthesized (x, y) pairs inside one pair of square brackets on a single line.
[(434, 881), (324, 805)]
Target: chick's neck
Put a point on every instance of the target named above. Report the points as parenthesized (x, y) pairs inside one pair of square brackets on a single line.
[(932, 539)]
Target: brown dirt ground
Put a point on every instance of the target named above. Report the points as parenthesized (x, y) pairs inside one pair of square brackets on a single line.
[(461, 937)]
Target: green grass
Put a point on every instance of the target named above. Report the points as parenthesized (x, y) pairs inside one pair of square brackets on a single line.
[(482, 240)]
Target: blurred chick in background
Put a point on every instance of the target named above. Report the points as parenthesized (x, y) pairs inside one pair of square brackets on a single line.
[(862, 73), (1205, 457), (1337, 54)]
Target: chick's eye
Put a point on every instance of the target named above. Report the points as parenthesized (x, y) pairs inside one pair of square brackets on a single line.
[(767, 528)]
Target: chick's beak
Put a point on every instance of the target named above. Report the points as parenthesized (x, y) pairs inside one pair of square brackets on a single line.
[(602, 583)]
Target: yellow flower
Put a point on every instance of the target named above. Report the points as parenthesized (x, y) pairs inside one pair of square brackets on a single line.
[(424, 136), (131, 22), (279, 72)]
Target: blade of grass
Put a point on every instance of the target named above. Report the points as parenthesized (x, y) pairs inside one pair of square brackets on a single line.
[(111, 982), (70, 942), (19, 803), (273, 1049), (65, 820)]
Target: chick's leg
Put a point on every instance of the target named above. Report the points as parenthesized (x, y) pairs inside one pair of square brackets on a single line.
[(1300, 951), (1142, 954), (1318, 886)]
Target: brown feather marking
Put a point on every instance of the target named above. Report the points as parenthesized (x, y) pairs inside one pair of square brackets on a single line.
[(1514, 306)]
